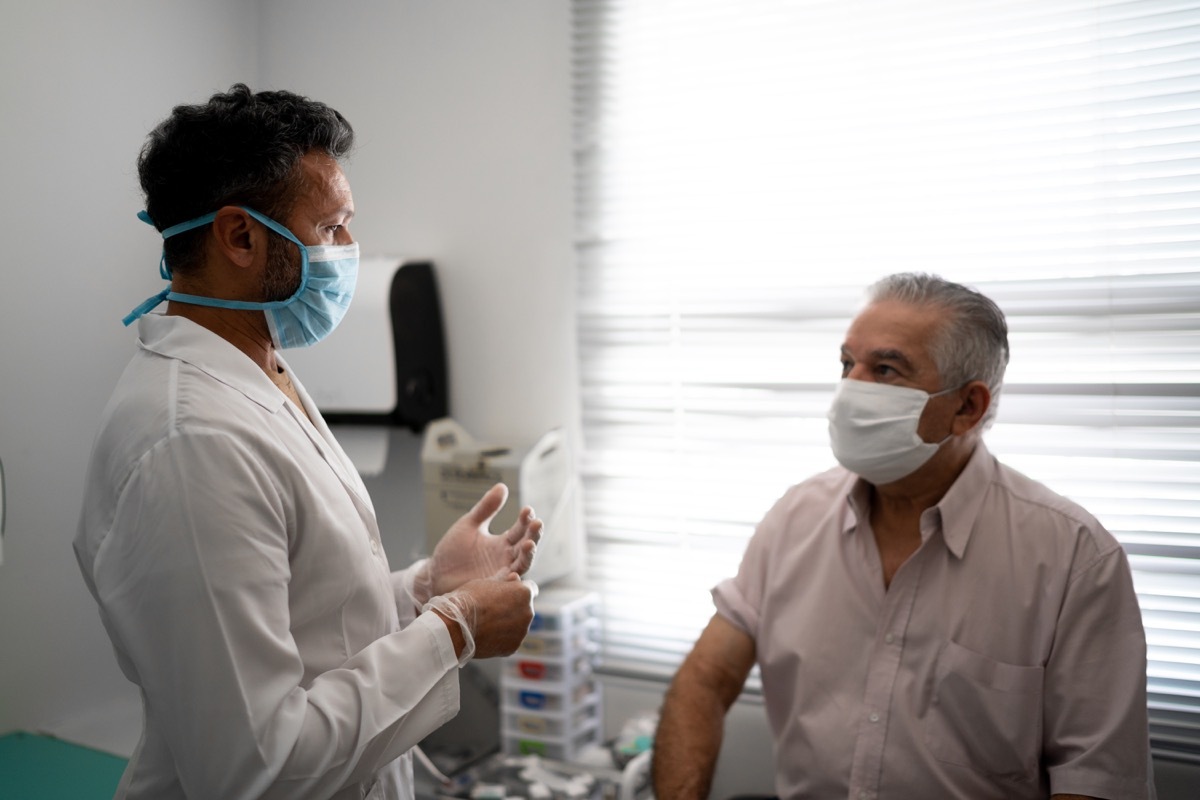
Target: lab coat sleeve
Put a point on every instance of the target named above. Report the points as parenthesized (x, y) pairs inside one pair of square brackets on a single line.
[(402, 587), (193, 580)]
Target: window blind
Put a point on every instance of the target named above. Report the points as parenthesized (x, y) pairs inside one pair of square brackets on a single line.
[(746, 167)]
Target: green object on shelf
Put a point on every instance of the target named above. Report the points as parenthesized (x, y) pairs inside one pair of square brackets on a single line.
[(36, 767), (532, 747)]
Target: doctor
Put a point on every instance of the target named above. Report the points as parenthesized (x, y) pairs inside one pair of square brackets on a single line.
[(230, 545)]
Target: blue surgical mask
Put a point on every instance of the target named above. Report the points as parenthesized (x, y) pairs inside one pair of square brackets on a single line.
[(328, 274)]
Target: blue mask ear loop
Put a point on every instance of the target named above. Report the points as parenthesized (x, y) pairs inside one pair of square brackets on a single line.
[(285, 233), (145, 306), (151, 302), (165, 271), (244, 305)]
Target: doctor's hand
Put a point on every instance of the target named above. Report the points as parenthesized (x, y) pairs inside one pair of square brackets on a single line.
[(487, 617), (469, 551)]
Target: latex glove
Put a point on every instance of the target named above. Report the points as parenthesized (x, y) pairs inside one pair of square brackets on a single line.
[(493, 614), (469, 551)]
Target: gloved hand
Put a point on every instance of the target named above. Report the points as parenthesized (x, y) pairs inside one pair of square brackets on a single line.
[(493, 614), (469, 551)]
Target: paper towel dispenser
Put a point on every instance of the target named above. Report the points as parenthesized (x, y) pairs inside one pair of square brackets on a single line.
[(385, 364)]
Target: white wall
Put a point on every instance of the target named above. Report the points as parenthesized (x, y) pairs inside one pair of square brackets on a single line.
[(462, 110), (80, 85)]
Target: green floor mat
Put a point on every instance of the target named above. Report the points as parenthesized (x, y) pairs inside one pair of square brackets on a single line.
[(44, 768)]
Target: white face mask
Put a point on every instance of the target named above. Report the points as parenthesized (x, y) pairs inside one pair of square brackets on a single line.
[(873, 429)]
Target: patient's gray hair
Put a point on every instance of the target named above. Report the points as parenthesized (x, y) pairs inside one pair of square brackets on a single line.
[(972, 343)]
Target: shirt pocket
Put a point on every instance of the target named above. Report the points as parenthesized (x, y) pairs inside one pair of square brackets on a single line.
[(985, 714)]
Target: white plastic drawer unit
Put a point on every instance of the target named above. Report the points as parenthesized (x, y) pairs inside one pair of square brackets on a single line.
[(546, 697)]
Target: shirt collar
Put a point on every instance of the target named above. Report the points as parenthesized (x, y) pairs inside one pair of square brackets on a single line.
[(182, 339), (959, 507), (858, 500), (954, 514)]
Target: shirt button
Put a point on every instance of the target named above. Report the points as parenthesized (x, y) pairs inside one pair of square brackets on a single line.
[(889, 638), (864, 795), (874, 716)]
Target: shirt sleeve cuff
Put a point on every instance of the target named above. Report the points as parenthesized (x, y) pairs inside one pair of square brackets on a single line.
[(443, 645), (733, 606), (1094, 783)]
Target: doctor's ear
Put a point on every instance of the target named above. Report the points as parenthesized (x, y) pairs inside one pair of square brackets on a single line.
[(975, 399), (236, 236)]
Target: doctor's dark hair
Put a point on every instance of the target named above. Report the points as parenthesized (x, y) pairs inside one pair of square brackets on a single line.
[(239, 148), (971, 343)]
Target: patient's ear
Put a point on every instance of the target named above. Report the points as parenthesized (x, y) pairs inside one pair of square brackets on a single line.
[(975, 399)]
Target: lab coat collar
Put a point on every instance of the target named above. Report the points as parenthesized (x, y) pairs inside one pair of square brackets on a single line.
[(185, 340), (181, 338)]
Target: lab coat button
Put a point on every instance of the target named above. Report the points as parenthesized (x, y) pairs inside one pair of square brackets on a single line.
[(374, 547)]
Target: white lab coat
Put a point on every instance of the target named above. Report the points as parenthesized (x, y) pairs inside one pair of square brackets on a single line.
[(235, 557)]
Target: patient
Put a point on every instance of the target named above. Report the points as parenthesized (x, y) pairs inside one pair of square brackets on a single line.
[(928, 622)]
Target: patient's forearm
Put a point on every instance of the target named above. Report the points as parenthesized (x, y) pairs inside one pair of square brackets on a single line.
[(688, 740)]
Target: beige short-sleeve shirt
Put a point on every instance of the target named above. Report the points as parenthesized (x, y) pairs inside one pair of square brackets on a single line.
[(1006, 660)]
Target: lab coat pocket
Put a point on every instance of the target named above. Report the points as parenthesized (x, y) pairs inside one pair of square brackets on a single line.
[(985, 714)]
